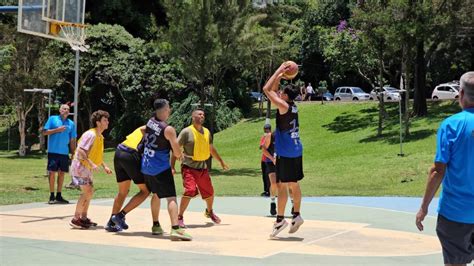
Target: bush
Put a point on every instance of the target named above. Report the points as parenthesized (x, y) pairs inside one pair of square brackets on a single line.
[(224, 117)]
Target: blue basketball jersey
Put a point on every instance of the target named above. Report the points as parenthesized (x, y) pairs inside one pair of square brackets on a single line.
[(287, 137), (156, 154)]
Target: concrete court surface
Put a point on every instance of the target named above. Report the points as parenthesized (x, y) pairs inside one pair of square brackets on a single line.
[(337, 231)]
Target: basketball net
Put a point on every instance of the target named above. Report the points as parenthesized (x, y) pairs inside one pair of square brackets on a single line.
[(75, 36)]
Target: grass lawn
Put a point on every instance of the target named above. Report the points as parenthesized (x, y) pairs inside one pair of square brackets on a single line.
[(342, 156)]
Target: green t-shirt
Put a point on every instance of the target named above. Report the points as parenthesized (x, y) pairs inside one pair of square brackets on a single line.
[(186, 139)]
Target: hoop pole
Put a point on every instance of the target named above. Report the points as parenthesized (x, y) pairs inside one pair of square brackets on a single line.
[(76, 90)]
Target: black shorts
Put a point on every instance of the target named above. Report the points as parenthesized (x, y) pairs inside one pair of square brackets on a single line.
[(270, 167), (161, 184), (127, 166), (58, 162), (457, 240), (289, 169)]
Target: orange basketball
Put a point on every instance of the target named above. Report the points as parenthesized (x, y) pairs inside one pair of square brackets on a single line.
[(292, 70)]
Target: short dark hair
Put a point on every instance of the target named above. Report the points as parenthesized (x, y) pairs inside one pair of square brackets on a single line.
[(291, 91), (160, 103), (97, 116), (267, 126), (198, 109)]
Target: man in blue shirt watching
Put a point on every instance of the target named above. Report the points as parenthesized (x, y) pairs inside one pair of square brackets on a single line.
[(62, 142), (454, 167)]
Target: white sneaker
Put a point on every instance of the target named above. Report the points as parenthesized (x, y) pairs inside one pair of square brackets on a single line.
[(295, 224), (278, 227)]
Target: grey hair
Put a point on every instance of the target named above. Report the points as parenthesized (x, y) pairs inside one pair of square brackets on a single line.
[(467, 84)]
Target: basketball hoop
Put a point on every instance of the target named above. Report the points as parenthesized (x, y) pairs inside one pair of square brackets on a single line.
[(74, 33)]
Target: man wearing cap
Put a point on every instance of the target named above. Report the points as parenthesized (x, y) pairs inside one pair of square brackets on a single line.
[(265, 179), (268, 150)]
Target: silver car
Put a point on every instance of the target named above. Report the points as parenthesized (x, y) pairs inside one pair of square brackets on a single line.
[(389, 94), (350, 94)]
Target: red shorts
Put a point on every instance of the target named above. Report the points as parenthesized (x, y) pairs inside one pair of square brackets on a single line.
[(196, 181)]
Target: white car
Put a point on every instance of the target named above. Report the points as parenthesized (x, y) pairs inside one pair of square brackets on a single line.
[(446, 91), (350, 94), (389, 94)]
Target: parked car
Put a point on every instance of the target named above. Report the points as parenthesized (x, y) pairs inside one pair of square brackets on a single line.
[(389, 94), (446, 91), (327, 96), (350, 94), (256, 96)]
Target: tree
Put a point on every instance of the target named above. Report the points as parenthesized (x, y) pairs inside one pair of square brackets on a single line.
[(208, 38), (138, 17), (22, 70), (119, 74)]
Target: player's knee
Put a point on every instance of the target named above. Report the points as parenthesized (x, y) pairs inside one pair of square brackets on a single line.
[(191, 193)]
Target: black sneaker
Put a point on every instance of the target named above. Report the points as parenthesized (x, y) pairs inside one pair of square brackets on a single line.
[(273, 208), (61, 200), (51, 201)]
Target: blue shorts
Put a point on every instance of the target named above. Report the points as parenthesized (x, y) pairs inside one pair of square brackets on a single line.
[(58, 162)]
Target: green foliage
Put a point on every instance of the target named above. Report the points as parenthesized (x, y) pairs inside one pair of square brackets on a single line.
[(139, 17), (123, 72), (224, 117), (213, 39), (7, 52), (347, 52)]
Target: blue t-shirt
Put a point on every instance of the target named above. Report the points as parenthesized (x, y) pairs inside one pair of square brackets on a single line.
[(455, 147), (59, 142)]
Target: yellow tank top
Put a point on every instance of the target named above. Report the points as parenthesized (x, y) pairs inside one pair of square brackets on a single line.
[(96, 152), (133, 139), (202, 148)]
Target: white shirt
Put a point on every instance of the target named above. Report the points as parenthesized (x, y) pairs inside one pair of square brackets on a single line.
[(309, 89)]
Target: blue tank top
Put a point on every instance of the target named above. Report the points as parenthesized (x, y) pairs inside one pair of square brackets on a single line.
[(156, 153), (287, 137)]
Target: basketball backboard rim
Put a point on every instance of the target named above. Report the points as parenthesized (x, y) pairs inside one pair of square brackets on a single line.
[(48, 21)]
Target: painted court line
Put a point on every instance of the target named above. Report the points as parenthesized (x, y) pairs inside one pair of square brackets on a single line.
[(313, 241), (368, 207)]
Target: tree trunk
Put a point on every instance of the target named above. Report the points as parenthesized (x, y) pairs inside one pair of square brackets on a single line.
[(419, 104), (21, 128)]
